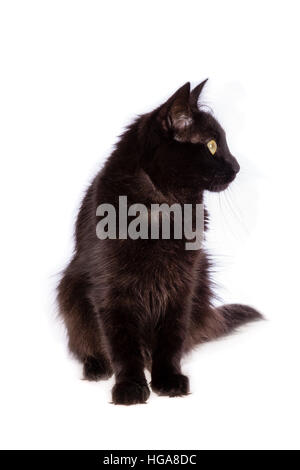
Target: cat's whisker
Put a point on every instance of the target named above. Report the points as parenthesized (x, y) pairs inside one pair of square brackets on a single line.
[(224, 222), (236, 211), (225, 212)]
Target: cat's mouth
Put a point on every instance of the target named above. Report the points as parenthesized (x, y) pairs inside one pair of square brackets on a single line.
[(221, 183)]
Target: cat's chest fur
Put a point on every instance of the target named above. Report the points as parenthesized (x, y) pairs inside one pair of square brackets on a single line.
[(151, 274)]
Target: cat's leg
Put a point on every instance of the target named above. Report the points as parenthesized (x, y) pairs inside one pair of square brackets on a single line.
[(167, 378), (84, 333), (123, 335)]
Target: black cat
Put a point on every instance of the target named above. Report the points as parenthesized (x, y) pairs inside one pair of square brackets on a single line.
[(130, 304)]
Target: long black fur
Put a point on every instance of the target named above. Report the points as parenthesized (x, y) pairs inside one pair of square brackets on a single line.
[(131, 304)]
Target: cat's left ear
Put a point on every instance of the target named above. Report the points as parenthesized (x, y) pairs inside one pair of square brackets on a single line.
[(175, 114)]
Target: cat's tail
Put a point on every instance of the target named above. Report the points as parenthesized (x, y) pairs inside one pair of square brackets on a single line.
[(214, 323), (235, 315)]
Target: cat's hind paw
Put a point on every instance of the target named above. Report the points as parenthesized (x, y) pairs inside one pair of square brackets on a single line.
[(96, 368)]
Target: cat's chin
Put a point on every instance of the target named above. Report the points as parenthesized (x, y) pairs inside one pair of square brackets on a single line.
[(217, 188)]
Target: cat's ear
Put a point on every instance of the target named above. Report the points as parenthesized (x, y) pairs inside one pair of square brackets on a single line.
[(175, 113), (195, 93)]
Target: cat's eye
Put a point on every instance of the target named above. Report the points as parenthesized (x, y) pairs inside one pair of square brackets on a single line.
[(212, 146)]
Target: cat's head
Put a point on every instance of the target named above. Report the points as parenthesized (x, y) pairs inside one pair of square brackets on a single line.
[(192, 147)]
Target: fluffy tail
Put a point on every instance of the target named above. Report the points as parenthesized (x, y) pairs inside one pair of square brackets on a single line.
[(211, 324), (235, 315)]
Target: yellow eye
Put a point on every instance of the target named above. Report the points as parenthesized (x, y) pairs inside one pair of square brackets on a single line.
[(212, 146)]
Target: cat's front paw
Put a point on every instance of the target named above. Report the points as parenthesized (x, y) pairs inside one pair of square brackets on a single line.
[(172, 385), (130, 393)]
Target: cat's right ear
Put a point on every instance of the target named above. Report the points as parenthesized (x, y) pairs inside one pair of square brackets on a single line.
[(195, 96), (175, 114)]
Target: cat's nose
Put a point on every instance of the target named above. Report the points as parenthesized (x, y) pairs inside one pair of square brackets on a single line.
[(235, 166)]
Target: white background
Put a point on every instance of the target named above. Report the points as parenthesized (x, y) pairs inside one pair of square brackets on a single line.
[(73, 73)]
